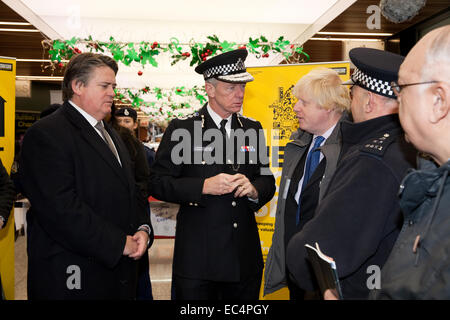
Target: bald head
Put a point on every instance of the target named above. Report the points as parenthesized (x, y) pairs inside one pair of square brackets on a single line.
[(424, 107), (436, 45)]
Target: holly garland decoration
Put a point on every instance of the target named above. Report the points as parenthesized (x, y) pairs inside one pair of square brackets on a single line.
[(146, 52), (162, 103)]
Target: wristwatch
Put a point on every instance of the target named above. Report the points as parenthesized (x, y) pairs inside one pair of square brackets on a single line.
[(147, 229)]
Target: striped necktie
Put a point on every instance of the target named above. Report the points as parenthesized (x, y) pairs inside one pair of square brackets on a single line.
[(107, 139)]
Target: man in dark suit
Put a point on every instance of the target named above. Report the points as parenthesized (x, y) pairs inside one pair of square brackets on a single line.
[(322, 102), (86, 228), (217, 246)]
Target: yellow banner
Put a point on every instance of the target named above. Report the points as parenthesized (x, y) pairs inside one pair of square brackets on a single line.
[(269, 100), (7, 124)]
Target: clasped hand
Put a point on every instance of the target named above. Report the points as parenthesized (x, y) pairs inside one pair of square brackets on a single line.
[(225, 183), (136, 245)]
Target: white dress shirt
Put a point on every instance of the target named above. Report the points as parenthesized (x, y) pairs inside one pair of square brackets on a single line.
[(92, 121), (326, 135), (217, 119)]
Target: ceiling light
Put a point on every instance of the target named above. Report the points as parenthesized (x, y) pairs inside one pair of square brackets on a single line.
[(39, 78), (369, 34), (7, 23), (19, 30), (345, 39), (37, 60)]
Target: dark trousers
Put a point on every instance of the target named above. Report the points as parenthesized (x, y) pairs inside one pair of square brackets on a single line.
[(144, 286), (196, 289), (298, 294)]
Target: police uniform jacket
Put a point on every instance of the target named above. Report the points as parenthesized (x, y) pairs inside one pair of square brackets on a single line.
[(359, 218), (216, 236)]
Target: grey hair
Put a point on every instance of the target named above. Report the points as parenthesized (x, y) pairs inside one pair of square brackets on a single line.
[(212, 81), (438, 56)]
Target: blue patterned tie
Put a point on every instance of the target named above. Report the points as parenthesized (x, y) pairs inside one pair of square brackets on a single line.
[(312, 161)]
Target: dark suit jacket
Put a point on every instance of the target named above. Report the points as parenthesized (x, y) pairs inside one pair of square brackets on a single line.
[(83, 204), (216, 236)]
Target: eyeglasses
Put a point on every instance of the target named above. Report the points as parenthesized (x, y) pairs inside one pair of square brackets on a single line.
[(397, 88)]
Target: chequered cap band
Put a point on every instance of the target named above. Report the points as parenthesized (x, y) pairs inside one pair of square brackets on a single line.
[(225, 69), (372, 84)]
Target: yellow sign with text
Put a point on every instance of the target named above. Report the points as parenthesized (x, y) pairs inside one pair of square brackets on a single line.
[(269, 100), (7, 124)]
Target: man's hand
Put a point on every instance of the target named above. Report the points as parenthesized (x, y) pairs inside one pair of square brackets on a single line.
[(131, 246), (1, 223), (225, 183), (330, 294), (243, 187), (141, 238), (218, 185)]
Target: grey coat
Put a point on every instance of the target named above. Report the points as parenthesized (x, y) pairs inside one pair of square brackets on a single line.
[(275, 270)]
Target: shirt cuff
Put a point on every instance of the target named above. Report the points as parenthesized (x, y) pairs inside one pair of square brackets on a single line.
[(253, 200)]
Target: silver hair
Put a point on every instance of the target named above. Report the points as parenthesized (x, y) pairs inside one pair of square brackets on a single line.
[(212, 81)]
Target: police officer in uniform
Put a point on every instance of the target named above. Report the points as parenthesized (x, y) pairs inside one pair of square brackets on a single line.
[(220, 182), (359, 218)]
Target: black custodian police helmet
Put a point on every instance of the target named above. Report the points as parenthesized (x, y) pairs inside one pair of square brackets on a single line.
[(227, 67), (375, 70)]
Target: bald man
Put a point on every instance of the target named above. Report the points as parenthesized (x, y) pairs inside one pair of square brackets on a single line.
[(419, 264)]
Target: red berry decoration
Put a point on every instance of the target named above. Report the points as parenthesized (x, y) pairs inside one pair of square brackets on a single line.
[(140, 73), (61, 65), (154, 45)]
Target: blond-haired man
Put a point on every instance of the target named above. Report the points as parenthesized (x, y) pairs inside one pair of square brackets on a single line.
[(309, 162)]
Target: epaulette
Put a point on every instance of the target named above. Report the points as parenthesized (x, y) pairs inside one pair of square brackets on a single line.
[(379, 146), (189, 116), (244, 117)]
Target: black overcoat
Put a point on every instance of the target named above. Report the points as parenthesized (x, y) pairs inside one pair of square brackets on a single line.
[(83, 204)]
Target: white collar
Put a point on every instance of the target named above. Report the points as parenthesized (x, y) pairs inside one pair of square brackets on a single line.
[(217, 119), (327, 134), (92, 121)]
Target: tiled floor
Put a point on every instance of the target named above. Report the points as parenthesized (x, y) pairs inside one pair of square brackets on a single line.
[(160, 256)]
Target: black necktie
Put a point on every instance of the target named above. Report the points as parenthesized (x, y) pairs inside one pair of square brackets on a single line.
[(222, 127)]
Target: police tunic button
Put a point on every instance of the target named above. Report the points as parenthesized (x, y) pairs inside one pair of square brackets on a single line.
[(233, 203), (386, 135), (235, 225), (190, 203), (196, 204)]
